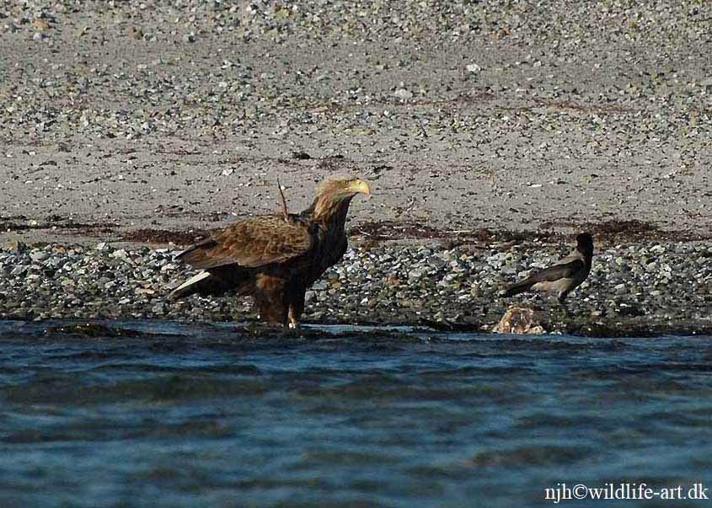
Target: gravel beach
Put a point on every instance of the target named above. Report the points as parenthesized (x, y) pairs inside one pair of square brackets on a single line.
[(490, 131), (642, 289)]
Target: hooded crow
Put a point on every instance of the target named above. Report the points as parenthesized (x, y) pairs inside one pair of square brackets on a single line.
[(563, 276)]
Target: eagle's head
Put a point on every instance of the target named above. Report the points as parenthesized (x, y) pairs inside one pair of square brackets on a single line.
[(343, 188), (333, 196)]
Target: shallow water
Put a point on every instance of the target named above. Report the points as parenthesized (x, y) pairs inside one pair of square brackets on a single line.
[(183, 415)]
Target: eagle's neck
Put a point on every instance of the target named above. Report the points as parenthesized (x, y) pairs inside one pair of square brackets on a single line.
[(329, 216), (331, 213)]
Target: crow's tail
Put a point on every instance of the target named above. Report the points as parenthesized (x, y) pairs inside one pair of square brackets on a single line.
[(519, 287)]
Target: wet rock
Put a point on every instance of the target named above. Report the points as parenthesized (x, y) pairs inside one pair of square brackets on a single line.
[(520, 320), (92, 330)]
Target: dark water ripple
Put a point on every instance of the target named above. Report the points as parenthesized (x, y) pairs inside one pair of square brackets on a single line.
[(164, 414)]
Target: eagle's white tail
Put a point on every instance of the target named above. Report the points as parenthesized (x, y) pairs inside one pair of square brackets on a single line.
[(196, 284)]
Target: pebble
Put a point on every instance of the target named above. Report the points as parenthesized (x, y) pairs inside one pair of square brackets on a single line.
[(388, 283), (403, 94)]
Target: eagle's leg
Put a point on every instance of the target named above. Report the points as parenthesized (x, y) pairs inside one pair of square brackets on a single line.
[(296, 307), (270, 299), (272, 310)]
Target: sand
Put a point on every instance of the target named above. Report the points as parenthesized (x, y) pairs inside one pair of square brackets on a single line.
[(133, 115)]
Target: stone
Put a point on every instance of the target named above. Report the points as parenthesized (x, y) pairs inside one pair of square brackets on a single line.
[(403, 94), (15, 245), (520, 321), (38, 256)]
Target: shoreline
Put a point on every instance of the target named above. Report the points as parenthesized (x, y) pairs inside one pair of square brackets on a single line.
[(648, 288)]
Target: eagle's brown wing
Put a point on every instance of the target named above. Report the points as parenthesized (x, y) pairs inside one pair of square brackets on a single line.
[(251, 243)]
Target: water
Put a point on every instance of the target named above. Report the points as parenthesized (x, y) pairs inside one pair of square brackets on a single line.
[(182, 415)]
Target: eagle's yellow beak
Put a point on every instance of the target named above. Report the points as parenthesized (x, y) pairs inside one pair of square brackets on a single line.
[(360, 187)]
